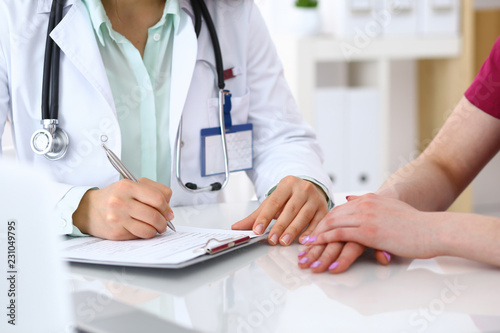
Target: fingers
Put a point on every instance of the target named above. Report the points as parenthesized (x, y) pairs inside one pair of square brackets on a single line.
[(295, 204), (312, 226), (306, 206), (336, 235), (311, 255), (349, 254), (155, 195), (125, 210), (336, 257), (383, 257), (165, 190), (269, 210), (295, 216), (340, 216), (249, 222), (147, 215), (139, 229), (351, 197), (320, 257)]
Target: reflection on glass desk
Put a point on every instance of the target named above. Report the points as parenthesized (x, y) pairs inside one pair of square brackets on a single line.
[(261, 289)]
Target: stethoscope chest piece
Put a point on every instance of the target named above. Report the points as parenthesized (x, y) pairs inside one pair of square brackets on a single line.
[(51, 141)]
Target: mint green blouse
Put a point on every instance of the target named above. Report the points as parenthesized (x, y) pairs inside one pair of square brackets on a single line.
[(141, 89)]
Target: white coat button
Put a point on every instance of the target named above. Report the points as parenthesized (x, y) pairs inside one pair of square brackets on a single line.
[(156, 37), (104, 138), (63, 223)]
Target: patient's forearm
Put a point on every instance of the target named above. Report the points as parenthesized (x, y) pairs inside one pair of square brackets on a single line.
[(422, 184), (469, 236)]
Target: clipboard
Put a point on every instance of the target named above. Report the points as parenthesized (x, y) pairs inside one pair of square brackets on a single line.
[(153, 253), (225, 244)]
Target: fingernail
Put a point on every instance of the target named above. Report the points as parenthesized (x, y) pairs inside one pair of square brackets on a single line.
[(286, 239), (304, 240), (259, 229), (301, 254), (170, 216), (274, 239), (333, 266), (316, 264), (349, 197), (387, 255), (312, 239), (304, 260)]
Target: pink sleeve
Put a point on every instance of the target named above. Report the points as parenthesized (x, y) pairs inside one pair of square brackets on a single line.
[(484, 92)]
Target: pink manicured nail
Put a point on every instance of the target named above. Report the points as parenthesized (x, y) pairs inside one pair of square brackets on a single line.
[(301, 254), (387, 255), (286, 239), (333, 266), (311, 239), (304, 260), (170, 216), (259, 229), (316, 264), (304, 240)]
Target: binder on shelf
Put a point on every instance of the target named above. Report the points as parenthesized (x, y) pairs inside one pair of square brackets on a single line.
[(440, 17), (371, 19), (402, 17), (348, 126), (332, 132), (365, 137)]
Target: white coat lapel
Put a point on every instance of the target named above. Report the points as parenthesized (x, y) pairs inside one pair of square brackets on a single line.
[(75, 36), (183, 64)]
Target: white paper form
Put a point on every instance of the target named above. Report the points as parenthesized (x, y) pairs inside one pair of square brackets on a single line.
[(170, 248)]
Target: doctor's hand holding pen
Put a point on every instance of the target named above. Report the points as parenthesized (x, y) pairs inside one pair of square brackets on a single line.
[(125, 210), (296, 204)]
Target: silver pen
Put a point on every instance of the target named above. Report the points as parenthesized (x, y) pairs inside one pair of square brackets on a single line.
[(120, 167)]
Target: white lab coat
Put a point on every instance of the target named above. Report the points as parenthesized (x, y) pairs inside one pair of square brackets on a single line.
[(283, 143)]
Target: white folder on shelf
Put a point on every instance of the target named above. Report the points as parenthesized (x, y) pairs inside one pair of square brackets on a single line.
[(333, 133), (364, 139)]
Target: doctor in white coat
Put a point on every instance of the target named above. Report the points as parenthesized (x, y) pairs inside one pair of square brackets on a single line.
[(89, 196)]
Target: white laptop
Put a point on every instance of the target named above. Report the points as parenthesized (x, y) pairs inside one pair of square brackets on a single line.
[(34, 291), (34, 297)]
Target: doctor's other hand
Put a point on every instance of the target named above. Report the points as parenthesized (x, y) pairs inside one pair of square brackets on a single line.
[(381, 223), (125, 210), (295, 204)]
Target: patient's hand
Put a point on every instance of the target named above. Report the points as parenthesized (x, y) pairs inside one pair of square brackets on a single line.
[(388, 225)]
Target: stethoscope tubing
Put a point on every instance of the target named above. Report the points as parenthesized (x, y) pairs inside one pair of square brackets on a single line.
[(50, 81), (58, 140), (200, 9), (215, 42), (214, 186)]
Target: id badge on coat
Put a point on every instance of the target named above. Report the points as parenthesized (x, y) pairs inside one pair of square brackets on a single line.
[(239, 139)]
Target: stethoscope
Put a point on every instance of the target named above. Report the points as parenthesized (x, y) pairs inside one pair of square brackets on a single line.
[(52, 141)]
